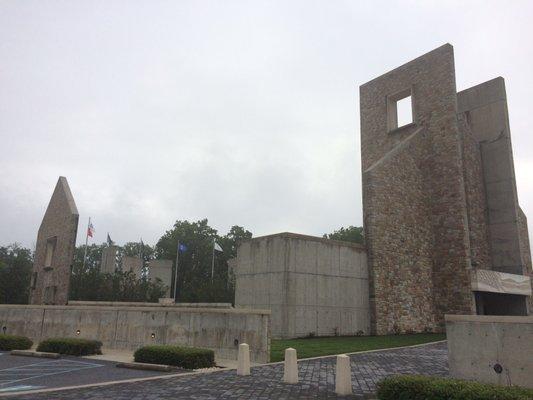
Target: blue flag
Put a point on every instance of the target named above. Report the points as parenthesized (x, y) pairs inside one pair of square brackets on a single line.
[(182, 248)]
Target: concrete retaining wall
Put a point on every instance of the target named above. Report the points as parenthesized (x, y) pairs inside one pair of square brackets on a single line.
[(478, 345), (312, 285), (123, 327), (146, 304)]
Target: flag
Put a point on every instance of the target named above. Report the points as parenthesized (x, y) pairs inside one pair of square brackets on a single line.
[(217, 246), (109, 241), (90, 229), (182, 248)]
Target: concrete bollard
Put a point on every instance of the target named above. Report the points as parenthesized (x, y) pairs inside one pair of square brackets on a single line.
[(343, 376), (243, 360), (290, 371)]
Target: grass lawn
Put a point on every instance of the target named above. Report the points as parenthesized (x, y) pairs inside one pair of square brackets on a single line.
[(323, 346)]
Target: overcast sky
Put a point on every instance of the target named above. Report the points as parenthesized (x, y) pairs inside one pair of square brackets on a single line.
[(244, 112)]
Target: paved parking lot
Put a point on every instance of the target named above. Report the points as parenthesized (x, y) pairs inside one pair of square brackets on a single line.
[(28, 373), (317, 379)]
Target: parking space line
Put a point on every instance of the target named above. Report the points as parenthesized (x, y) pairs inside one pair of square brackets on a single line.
[(41, 370)]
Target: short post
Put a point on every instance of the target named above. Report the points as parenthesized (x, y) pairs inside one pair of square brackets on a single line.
[(343, 376), (243, 360), (290, 372)]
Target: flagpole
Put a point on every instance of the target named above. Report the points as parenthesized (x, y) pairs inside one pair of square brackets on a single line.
[(86, 243), (176, 274), (213, 262), (141, 258)]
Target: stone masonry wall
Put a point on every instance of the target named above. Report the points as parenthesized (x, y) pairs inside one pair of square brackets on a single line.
[(436, 194), (399, 234)]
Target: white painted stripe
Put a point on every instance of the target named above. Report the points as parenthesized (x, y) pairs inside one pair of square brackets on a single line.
[(20, 387)]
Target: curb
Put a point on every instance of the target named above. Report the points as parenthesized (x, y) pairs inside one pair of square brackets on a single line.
[(38, 354), (361, 352), (147, 366), (109, 383)]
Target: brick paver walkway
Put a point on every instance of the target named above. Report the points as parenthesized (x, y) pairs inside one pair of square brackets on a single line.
[(317, 379)]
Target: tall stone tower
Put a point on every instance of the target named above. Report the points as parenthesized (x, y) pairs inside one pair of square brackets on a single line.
[(56, 241), (444, 231)]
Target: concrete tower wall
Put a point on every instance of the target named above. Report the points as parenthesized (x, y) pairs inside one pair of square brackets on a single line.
[(313, 286), (415, 213)]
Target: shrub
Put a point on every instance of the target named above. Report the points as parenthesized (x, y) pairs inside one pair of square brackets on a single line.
[(10, 342), (184, 357), (414, 387), (71, 346)]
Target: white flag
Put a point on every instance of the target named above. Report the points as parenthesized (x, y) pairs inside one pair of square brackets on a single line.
[(217, 247)]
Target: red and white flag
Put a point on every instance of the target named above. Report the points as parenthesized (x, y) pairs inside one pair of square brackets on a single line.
[(90, 229)]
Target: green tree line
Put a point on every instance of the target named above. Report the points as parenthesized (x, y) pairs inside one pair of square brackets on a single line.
[(195, 264)]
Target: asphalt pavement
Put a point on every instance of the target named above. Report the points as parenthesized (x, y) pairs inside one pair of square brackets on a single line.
[(18, 373)]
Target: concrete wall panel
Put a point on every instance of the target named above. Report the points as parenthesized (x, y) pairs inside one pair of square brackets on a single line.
[(478, 344), (132, 327), (315, 286)]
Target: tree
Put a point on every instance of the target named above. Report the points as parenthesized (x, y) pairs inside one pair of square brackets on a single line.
[(16, 264), (92, 285), (135, 249), (194, 269), (351, 234), (231, 241), (94, 256)]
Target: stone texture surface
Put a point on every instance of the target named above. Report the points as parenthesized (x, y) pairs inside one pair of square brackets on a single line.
[(312, 285), (439, 194), (484, 280), (54, 249), (317, 379), (130, 327)]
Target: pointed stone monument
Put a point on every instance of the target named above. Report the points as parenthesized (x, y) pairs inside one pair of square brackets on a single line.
[(54, 252)]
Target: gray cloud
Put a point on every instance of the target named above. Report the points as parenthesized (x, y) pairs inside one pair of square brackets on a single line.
[(242, 112)]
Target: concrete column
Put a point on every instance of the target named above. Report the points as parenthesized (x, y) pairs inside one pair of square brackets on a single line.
[(343, 376), (290, 372), (243, 360)]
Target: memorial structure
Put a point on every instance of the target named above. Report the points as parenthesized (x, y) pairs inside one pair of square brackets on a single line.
[(108, 265), (491, 349), (313, 286), (54, 251), (443, 228), (133, 264), (161, 269), (444, 232)]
